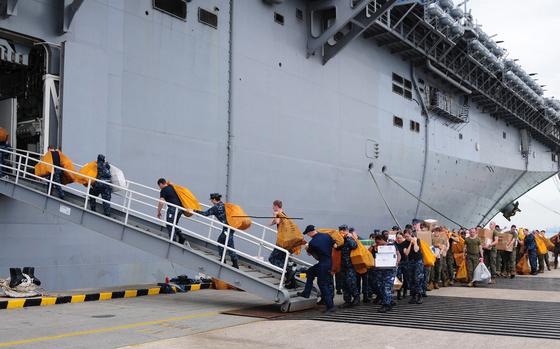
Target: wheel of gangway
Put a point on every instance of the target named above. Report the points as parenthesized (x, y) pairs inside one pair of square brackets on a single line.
[(285, 307)]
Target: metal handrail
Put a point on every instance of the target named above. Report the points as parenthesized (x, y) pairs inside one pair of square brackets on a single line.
[(265, 229), (134, 196)]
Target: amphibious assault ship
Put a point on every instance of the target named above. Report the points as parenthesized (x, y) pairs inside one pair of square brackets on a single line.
[(303, 101)]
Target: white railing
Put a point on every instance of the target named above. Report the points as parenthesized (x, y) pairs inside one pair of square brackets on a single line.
[(260, 231), (21, 164)]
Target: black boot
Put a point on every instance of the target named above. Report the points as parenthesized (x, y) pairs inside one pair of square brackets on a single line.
[(16, 277), (383, 309), (30, 271), (399, 295), (419, 299), (412, 299), (356, 300), (235, 263)]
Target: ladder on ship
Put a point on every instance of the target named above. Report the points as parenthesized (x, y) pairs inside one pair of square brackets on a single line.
[(132, 222)]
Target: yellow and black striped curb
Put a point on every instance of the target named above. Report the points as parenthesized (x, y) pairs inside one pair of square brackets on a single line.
[(90, 297)]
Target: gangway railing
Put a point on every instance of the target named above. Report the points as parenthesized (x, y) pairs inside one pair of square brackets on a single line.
[(261, 231), (19, 161)]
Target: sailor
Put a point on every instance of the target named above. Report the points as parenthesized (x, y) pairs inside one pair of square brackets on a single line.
[(320, 247), (363, 283), (4, 137), (350, 290), (375, 272), (403, 270), (474, 254), (218, 210), (490, 252), (531, 247), (386, 281), (100, 186), (169, 195), (411, 249)]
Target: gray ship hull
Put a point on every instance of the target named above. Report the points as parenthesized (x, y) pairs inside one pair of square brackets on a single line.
[(241, 110)]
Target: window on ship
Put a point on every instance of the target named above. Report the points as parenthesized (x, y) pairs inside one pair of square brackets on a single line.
[(402, 86)]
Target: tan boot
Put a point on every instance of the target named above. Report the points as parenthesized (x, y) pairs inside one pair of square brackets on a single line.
[(430, 286), (436, 286)]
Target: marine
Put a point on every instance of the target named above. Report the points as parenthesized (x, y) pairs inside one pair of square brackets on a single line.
[(490, 252), (474, 254)]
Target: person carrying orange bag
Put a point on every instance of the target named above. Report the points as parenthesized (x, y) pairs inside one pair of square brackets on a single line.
[(54, 157), (289, 238), (175, 195)]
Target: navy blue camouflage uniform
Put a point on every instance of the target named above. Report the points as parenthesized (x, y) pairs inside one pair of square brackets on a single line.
[(219, 211), (350, 288), (320, 246), (531, 247), (385, 282), (101, 188)]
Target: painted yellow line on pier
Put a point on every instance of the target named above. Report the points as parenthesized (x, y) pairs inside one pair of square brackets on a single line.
[(107, 329)]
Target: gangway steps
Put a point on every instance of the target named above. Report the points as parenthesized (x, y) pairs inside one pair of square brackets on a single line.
[(153, 238)]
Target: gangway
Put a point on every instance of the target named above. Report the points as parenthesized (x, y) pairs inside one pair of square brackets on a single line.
[(132, 222)]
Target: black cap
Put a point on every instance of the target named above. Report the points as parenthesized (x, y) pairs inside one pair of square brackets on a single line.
[(343, 227), (101, 157), (215, 196), (308, 229)]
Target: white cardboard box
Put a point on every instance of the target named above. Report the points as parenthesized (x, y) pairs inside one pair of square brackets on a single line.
[(385, 260)]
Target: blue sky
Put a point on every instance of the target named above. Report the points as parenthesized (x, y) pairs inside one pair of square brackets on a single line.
[(529, 30)]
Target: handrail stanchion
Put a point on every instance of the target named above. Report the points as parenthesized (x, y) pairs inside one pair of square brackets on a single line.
[(25, 166), (259, 254), (174, 224), (211, 228), (18, 167), (225, 246), (281, 286), (127, 196), (87, 193)]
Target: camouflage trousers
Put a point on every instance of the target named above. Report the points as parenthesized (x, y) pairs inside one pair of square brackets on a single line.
[(385, 281), (105, 191), (350, 286), (490, 261), (416, 273)]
